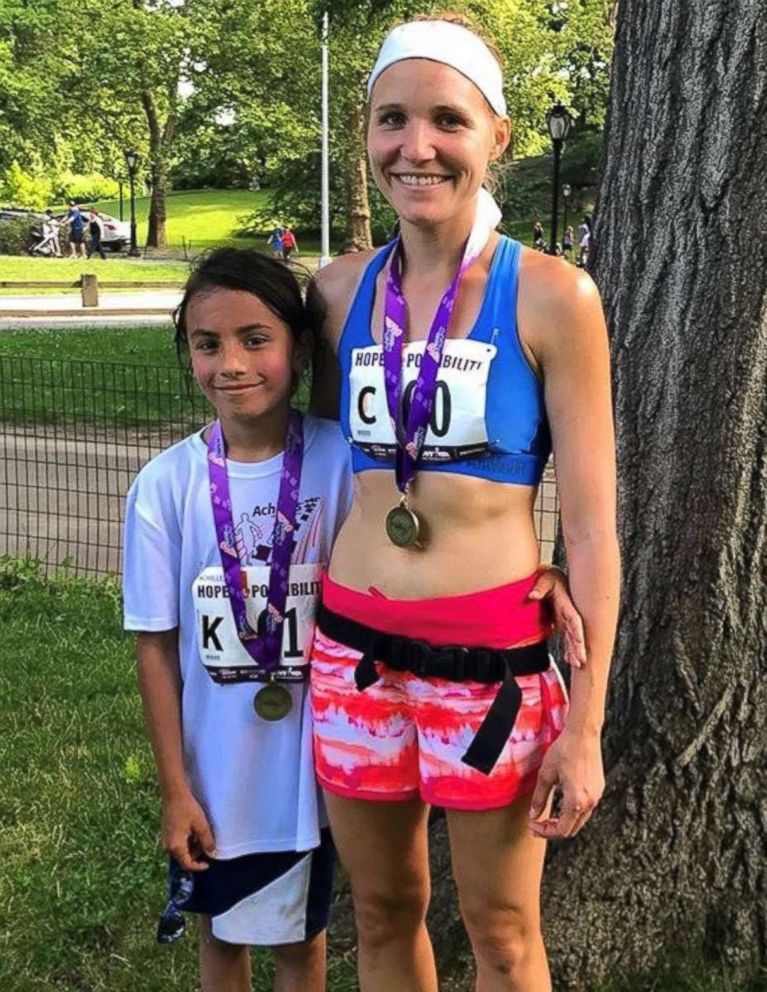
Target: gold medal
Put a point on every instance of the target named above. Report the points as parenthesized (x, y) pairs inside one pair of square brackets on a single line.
[(403, 525), (273, 702)]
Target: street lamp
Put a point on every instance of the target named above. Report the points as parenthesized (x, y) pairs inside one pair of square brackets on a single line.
[(566, 191), (325, 215), (558, 122), (131, 160)]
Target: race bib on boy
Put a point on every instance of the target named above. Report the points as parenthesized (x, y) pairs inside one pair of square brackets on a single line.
[(457, 427), (221, 652)]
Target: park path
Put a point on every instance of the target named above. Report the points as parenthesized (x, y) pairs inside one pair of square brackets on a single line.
[(62, 498), (156, 303)]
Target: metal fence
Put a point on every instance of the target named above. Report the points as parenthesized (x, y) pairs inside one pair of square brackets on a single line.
[(73, 434)]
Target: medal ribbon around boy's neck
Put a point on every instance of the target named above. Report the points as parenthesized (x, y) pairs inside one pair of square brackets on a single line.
[(402, 524), (264, 647)]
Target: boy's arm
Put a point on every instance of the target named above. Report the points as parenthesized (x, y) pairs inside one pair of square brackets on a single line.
[(186, 832)]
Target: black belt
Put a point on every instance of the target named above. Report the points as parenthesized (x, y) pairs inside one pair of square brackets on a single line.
[(487, 665)]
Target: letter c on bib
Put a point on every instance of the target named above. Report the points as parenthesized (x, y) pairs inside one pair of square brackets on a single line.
[(367, 390)]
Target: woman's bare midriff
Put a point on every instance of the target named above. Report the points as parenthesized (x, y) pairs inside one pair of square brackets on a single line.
[(478, 535)]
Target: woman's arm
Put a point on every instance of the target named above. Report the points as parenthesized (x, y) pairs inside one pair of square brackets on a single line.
[(186, 832), (568, 338)]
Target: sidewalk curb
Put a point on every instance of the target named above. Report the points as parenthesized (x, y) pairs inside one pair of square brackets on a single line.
[(89, 312)]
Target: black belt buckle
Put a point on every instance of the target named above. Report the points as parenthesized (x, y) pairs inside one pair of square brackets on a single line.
[(421, 660), (452, 658)]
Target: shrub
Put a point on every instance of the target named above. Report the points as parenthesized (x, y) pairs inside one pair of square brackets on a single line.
[(15, 235), (25, 189), (85, 188)]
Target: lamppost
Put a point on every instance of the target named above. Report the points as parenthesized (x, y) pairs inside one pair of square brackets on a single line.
[(325, 215), (120, 185), (558, 122), (566, 191), (131, 160)]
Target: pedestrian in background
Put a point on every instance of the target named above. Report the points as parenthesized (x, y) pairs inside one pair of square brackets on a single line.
[(289, 243), (275, 240), (584, 239), (567, 242), (75, 222), (96, 231)]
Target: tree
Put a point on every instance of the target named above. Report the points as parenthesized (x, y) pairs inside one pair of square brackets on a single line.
[(674, 859)]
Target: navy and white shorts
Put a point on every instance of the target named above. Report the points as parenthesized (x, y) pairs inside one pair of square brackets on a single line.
[(270, 898)]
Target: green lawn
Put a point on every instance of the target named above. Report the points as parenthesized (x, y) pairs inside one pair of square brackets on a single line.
[(139, 345), (109, 376), (83, 874), (199, 218), (15, 268), (127, 376)]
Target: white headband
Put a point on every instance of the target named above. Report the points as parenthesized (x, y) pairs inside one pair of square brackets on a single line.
[(450, 44)]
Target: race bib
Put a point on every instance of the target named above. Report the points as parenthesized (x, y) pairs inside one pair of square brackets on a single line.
[(221, 652), (457, 427)]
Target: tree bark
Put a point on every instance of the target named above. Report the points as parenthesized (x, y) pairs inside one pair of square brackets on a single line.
[(358, 236), (159, 138), (675, 858)]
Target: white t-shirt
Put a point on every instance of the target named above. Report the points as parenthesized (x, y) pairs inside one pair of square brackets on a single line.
[(254, 778)]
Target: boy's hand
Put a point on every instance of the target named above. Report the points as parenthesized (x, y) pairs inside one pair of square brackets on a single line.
[(552, 585), (186, 833)]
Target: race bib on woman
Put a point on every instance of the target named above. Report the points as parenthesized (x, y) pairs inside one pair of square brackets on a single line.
[(221, 652), (457, 427)]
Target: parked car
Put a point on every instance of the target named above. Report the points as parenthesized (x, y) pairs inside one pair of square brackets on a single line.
[(19, 213), (116, 233)]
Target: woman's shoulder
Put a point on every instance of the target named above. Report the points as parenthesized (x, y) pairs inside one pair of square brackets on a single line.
[(556, 302), (552, 286), (337, 284), (343, 272)]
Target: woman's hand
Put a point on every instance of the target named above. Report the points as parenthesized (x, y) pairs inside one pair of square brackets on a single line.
[(186, 833), (573, 768), (552, 585)]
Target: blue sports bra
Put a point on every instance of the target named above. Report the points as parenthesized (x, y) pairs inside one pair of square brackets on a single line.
[(489, 418)]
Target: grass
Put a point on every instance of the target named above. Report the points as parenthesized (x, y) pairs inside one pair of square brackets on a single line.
[(139, 345), (112, 376), (83, 874), (15, 268), (126, 377), (197, 218)]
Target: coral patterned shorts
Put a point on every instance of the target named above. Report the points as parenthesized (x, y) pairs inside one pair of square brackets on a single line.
[(404, 736)]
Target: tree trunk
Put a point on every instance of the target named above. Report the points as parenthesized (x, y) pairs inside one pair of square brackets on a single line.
[(676, 856), (674, 859), (159, 140), (357, 236), (155, 237)]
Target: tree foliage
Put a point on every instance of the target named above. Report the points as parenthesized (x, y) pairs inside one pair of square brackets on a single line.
[(228, 91)]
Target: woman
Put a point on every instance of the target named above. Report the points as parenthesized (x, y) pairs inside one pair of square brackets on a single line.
[(430, 681)]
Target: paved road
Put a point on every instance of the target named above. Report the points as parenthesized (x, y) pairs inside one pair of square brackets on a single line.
[(63, 498), (87, 319), (69, 302)]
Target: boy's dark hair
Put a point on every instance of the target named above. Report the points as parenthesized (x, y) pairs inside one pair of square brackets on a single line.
[(249, 271)]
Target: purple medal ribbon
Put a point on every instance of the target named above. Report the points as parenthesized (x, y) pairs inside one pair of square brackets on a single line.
[(410, 441), (264, 647)]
